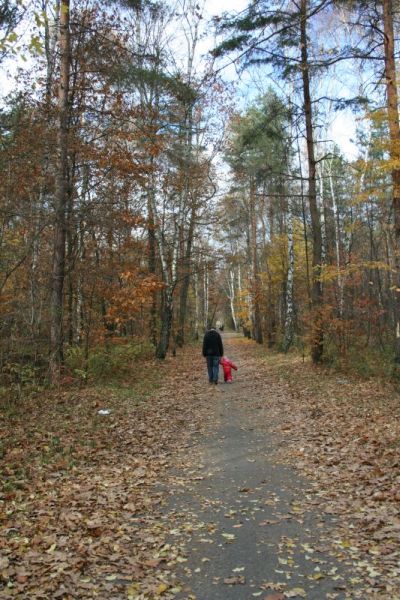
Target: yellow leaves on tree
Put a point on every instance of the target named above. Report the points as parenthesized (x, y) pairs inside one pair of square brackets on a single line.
[(133, 294)]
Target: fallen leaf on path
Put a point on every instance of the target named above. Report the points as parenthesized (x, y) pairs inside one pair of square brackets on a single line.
[(295, 593), (239, 579)]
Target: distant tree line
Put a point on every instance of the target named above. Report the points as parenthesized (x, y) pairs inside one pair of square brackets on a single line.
[(313, 256), (114, 225)]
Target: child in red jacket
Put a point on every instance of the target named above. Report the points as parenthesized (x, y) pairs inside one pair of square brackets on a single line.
[(227, 366)]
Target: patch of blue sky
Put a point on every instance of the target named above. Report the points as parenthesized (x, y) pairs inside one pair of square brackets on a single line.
[(343, 80)]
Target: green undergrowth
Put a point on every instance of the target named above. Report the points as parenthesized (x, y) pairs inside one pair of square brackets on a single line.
[(116, 365), (108, 363), (359, 360)]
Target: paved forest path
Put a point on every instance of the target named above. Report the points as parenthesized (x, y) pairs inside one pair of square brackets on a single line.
[(238, 513), (284, 484)]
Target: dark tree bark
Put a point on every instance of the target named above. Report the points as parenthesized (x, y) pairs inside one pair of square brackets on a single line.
[(394, 132), (151, 259), (187, 253), (258, 336), (317, 345), (166, 323), (180, 337), (61, 197)]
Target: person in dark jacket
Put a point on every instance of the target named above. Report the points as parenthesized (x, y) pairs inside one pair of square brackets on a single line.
[(213, 350)]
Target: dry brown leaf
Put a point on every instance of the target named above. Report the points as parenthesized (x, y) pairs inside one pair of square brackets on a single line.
[(238, 579)]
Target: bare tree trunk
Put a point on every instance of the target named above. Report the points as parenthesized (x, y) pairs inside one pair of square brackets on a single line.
[(304, 220), (289, 318), (324, 236), (394, 131), (289, 292), (270, 313), (79, 291), (151, 261), (51, 26), (337, 242), (180, 337), (254, 264), (239, 284), (205, 295), (317, 344), (148, 98), (34, 274), (70, 248), (196, 305), (61, 198), (51, 12), (191, 32), (231, 295), (169, 279), (166, 324)]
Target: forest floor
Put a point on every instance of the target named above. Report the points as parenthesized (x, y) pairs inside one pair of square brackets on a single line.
[(284, 484)]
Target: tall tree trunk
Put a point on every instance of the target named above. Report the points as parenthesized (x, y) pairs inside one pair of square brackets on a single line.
[(61, 197), (34, 274), (196, 305), (79, 291), (231, 295), (317, 344), (70, 249), (394, 131), (149, 98), (289, 291), (324, 235), (337, 241), (186, 268), (151, 262), (51, 32), (166, 324), (205, 295), (51, 12), (289, 317), (169, 279), (192, 37), (271, 310), (254, 264), (304, 220)]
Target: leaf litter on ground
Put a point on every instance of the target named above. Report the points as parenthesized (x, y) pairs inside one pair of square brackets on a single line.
[(344, 435), (80, 491), (81, 494)]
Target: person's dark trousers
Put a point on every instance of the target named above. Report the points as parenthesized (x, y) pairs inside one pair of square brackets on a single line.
[(213, 368)]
